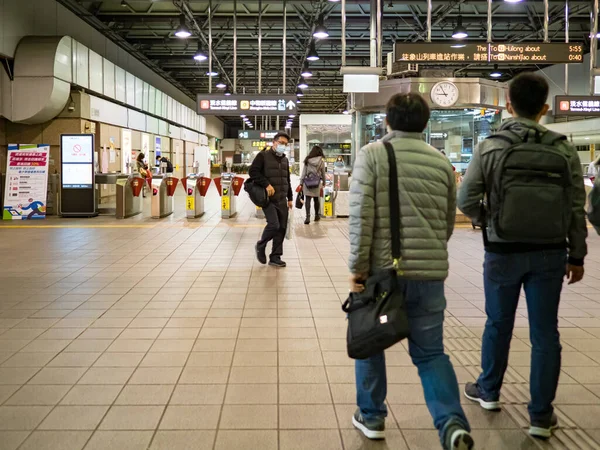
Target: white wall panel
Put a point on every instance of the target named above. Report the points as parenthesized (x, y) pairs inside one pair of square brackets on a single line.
[(139, 93), (96, 71), (130, 89), (81, 65), (136, 120), (151, 100), (145, 90), (109, 78), (151, 124), (120, 87), (174, 132), (163, 128), (108, 112)]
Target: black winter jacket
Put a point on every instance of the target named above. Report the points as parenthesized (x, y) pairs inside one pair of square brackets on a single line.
[(268, 168)]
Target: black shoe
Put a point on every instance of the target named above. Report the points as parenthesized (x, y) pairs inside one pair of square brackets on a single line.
[(473, 392), (372, 430), (543, 430), (457, 438), (260, 254), (307, 220), (277, 262), (317, 218)]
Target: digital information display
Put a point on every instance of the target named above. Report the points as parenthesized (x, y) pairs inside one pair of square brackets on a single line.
[(256, 134), (234, 105), (576, 105), (519, 53), (77, 161)]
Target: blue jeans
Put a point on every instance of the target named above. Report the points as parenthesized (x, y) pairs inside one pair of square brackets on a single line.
[(541, 275), (425, 304)]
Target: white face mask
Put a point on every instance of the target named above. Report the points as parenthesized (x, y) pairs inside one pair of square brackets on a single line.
[(280, 149)]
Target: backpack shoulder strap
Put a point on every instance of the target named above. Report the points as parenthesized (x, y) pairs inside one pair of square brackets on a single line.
[(394, 204), (552, 138), (507, 136)]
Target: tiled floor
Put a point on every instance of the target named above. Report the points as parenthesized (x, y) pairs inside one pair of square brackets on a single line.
[(169, 335)]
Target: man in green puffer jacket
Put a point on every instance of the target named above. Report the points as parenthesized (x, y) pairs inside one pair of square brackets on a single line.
[(427, 191)]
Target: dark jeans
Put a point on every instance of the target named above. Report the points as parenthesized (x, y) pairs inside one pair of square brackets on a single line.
[(541, 275), (425, 304), (317, 202), (277, 217)]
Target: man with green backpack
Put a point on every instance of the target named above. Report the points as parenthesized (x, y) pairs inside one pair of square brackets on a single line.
[(534, 232)]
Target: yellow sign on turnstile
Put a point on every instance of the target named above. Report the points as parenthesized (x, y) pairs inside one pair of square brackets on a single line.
[(225, 202), (189, 204), (327, 209)]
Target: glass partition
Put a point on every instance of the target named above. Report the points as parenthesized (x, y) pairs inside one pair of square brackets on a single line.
[(336, 141)]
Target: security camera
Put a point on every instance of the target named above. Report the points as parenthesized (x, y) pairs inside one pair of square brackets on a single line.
[(71, 107)]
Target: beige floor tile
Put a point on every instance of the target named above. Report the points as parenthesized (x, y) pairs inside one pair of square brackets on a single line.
[(16, 418), (155, 375), (91, 395), (585, 416), (354, 440), (16, 375), (169, 359), (247, 439), (58, 375), (119, 360), (107, 375), (39, 395), (198, 394), (119, 440), (257, 358), (132, 418), (251, 394), (172, 345), (304, 394), (311, 375), (502, 439), (6, 391), (74, 418), (249, 417), (210, 359), (204, 375), (214, 345), (343, 393), (428, 440), (244, 375), (183, 440), (74, 359), (28, 359), (145, 395), (310, 440), (415, 417), (307, 417), (308, 358), (10, 440), (56, 440), (203, 417), (130, 345)]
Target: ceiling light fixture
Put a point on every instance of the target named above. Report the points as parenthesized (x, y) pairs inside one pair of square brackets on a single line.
[(200, 55), (312, 52), (334, 1), (291, 116), (124, 4), (458, 45), (302, 84), (299, 93), (182, 30), (513, 1), (227, 92), (306, 72), (496, 73), (320, 30), (346, 112), (460, 32), (220, 84), (212, 74)]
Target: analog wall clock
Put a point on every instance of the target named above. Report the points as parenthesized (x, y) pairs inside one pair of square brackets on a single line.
[(444, 94)]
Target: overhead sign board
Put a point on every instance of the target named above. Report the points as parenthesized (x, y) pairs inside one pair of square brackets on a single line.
[(518, 53), (576, 105), (257, 134), (235, 105)]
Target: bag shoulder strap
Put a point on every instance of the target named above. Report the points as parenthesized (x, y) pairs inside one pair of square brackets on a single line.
[(552, 137), (394, 204)]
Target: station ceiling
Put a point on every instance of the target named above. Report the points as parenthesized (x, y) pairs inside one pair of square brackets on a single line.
[(146, 28)]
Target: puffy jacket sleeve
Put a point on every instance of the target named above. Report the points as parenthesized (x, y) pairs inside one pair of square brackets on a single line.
[(578, 228), (451, 217), (594, 206), (362, 212), (472, 187)]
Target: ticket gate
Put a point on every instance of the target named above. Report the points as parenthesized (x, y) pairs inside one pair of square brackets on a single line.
[(327, 202), (129, 199), (163, 189), (229, 187), (196, 186)]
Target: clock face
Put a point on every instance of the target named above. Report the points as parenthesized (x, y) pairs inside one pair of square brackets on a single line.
[(444, 94)]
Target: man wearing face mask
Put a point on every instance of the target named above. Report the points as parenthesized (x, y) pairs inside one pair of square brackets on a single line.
[(271, 170)]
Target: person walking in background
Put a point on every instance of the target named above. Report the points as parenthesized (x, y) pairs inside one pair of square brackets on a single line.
[(311, 180), (428, 203), (534, 213), (143, 170), (164, 159), (271, 170)]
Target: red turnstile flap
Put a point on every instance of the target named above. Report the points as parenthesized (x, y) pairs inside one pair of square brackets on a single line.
[(203, 184), (171, 183), (184, 182), (218, 185), (238, 182), (149, 180), (137, 184)]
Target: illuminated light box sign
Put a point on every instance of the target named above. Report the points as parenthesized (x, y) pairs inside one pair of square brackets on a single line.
[(233, 105), (576, 105), (78, 193), (519, 53), (257, 134)]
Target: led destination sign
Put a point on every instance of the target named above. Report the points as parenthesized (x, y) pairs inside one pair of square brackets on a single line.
[(233, 105), (519, 53)]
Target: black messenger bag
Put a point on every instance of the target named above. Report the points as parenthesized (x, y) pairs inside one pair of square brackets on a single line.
[(377, 316)]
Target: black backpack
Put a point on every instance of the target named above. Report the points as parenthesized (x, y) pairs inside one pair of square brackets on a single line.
[(169, 166), (258, 194), (530, 189)]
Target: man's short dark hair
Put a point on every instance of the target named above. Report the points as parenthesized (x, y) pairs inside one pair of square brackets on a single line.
[(158, 156), (407, 112), (528, 94), (282, 134)]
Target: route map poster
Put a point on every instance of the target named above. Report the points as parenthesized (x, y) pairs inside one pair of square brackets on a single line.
[(26, 185)]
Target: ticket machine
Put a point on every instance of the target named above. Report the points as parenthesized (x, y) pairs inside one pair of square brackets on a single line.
[(163, 189), (129, 199), (229, 187), (196, 186)]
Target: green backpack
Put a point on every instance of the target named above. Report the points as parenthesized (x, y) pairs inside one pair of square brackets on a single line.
[(530, 189)]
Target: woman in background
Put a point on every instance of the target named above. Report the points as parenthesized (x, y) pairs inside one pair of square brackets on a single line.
[(143, 170), (312, 179)]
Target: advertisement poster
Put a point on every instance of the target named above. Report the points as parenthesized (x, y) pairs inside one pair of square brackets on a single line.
[(126, 147), (145, 144), (157, 146), (77, 161), (26, 185)]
